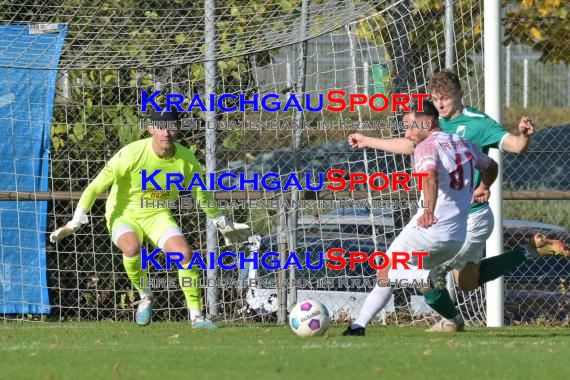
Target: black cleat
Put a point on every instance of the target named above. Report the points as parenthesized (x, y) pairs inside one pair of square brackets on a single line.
[(357, 331)]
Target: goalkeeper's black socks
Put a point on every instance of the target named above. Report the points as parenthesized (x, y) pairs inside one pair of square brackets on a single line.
[(497, 266)]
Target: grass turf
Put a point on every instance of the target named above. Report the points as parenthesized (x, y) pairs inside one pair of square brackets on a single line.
[(164, 350)]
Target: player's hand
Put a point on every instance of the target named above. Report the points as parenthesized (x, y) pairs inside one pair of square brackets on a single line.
[(481, 194), (427, 220), (526, 126), (232, 232), (68, 229), (79, 218), (357, 140)]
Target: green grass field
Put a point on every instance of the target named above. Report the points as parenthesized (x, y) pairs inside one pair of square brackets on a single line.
[(172, 350)]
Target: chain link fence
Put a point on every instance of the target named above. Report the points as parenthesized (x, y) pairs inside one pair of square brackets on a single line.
[(369, 47), (537, 84)]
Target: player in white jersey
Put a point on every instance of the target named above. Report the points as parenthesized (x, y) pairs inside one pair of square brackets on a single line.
[(452, 159), (448, 192), (484, 133)]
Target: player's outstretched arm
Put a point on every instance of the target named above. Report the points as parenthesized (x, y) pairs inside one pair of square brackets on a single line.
[(103, 180), (398, 145), (520, 143), (80, 216)]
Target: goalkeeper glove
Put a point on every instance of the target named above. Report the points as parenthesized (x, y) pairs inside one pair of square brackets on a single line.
[(232, 232), (79, 218)]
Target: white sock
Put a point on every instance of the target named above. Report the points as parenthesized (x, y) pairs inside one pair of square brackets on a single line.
[(194, 314), (145, 293), (412, 274), (375, 301)]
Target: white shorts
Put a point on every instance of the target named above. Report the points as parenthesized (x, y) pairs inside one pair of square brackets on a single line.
[(479, 227), (417, 239)]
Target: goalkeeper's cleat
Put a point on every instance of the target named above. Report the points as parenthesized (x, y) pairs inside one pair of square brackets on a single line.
[(143, 315), (201, 322), (539, 246), (354, 331), (438, 276), (447, 326)]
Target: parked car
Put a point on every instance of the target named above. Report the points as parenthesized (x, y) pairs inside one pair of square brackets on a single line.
[(544, 166)]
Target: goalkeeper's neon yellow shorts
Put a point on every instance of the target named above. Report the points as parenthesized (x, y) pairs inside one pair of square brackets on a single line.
[(155, 229)]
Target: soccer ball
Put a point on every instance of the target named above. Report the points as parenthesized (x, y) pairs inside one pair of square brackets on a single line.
[(309, 318)]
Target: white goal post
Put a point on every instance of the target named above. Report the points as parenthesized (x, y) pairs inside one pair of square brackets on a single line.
[(493, 104)]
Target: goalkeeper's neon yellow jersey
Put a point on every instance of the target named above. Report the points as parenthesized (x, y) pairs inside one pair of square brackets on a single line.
[(481, 131), (124, 173)]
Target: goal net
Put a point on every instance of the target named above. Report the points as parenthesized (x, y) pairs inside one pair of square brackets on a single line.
[(115, 50)]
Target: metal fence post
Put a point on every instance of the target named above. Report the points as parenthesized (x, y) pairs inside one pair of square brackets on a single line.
[(508, 76), (212, 293)]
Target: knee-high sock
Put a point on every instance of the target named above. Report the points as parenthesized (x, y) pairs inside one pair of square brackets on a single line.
[(375, 301), (496, 266), (192, 293), (440, 301), (135, 273)]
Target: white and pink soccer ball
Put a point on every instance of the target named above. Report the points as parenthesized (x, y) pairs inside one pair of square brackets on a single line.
[(309, 318)]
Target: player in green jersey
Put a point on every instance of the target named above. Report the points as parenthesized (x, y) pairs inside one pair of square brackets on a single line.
[(471, 270), (129, 224)]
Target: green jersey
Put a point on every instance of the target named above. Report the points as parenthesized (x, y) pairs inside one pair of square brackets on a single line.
[(124, 173), (479, 129)]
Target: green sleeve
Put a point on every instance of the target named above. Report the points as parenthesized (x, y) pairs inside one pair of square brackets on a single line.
[(492, 134), (201, 195), (115, 168)]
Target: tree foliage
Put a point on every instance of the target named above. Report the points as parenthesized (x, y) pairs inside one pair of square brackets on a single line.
[(101, 110), (540, 24)]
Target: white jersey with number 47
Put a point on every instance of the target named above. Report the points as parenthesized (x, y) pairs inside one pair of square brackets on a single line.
[(454, 159)]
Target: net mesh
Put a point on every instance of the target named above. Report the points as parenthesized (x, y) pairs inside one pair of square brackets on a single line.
[(127, 34), (114, 50)]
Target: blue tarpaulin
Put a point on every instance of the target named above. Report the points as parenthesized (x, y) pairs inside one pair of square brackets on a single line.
[(28, 69)]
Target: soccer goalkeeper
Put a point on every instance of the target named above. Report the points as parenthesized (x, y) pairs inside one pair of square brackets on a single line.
[(129, 224)]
